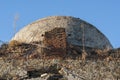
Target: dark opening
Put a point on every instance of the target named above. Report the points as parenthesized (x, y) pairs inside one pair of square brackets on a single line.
[(69, 34), (42, 35)]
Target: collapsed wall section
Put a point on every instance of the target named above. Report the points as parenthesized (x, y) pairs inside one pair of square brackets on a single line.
[(55, 42)]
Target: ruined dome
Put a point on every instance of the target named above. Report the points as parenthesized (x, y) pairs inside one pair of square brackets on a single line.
[(75, 29)]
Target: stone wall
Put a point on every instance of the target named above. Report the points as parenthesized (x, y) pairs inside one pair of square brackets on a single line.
[(55, 41)]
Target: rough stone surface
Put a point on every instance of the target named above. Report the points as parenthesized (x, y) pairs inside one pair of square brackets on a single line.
[(69, 69), (56, 41), (75, 29)]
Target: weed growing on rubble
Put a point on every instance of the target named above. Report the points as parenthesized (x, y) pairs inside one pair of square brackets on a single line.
[(84, 53), (14, 43)]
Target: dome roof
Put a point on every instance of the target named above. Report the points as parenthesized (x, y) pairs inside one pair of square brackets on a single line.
[(75, 29)]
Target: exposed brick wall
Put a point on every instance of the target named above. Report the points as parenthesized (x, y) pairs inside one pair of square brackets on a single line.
[(55, 40)]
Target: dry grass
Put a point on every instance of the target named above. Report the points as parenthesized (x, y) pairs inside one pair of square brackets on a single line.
[(14, 43), (84, 55)]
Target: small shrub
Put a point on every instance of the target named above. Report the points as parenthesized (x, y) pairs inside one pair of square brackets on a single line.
[(3, 49), (84, 55), (14, 43), (58, 18), (4, 46)]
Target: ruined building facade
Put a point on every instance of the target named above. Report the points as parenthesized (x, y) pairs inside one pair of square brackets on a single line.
[(58, 32)]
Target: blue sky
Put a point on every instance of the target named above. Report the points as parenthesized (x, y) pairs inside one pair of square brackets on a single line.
[(104, 14)]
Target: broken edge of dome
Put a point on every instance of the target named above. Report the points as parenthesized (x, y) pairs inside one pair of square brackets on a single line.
[(60, 17)]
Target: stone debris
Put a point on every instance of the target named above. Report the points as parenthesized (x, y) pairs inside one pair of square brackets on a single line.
[(44, 75), (60, 70)]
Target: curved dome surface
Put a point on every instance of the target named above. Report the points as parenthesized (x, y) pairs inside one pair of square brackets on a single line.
[(75, 28)]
